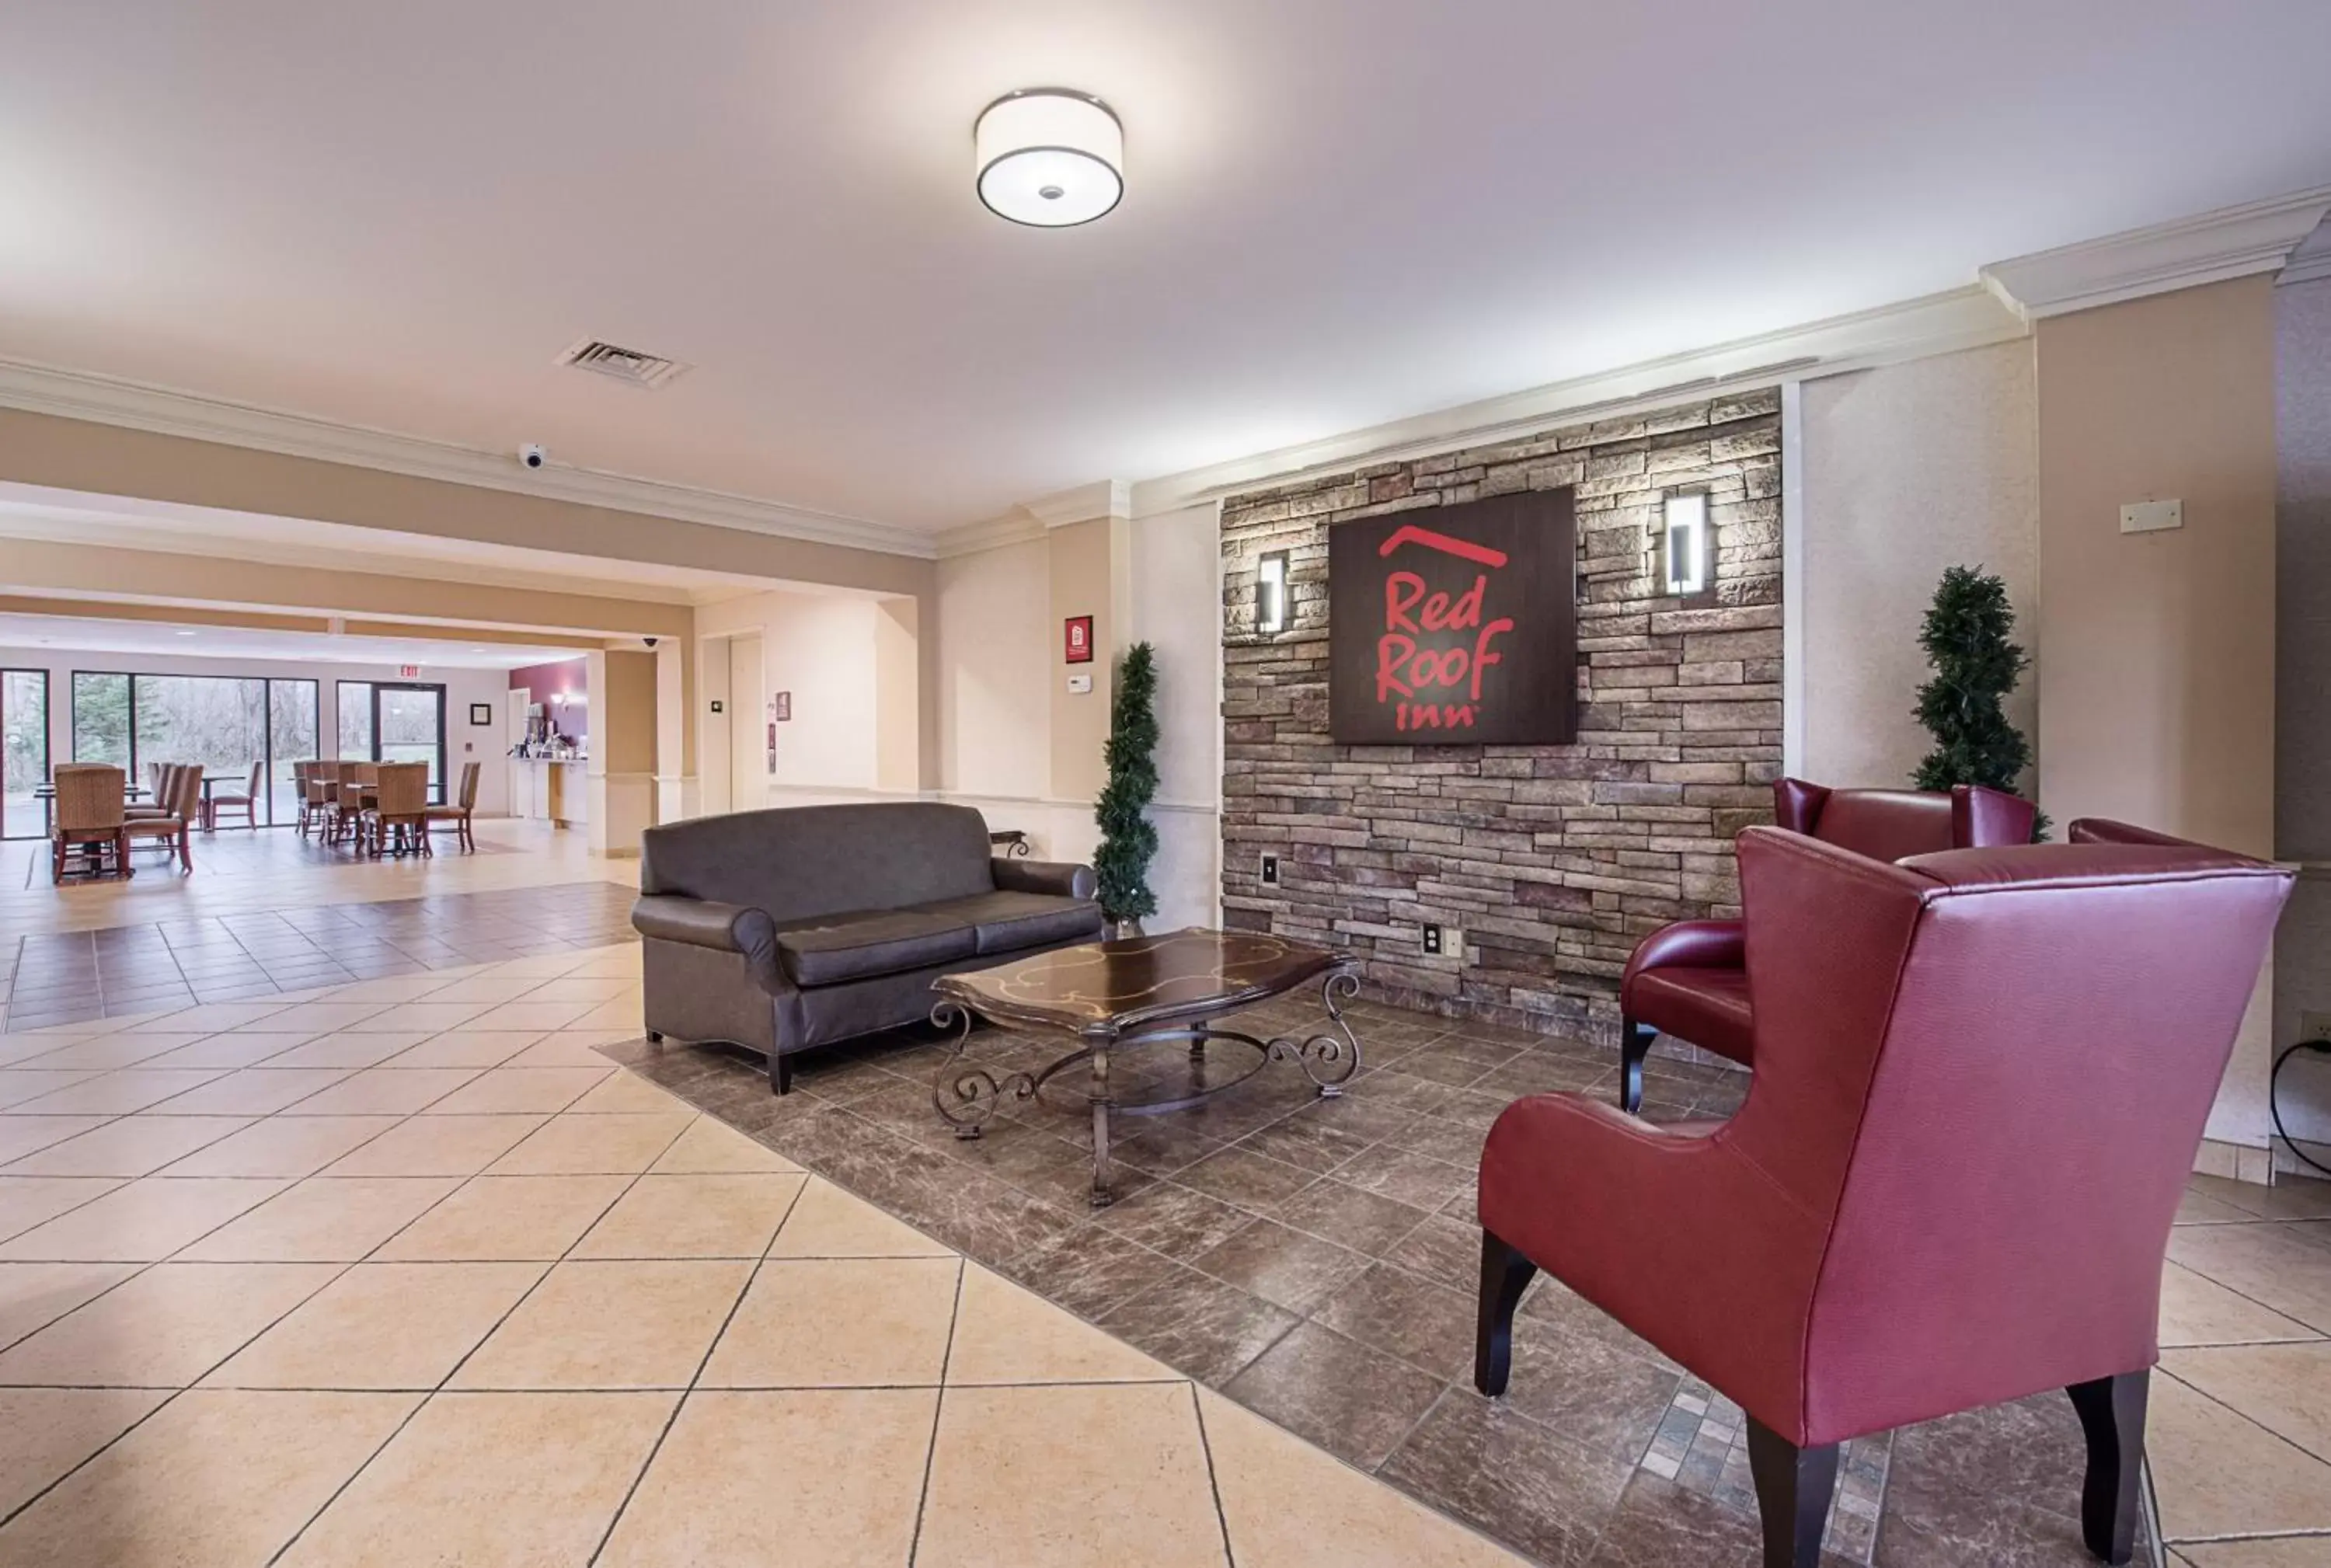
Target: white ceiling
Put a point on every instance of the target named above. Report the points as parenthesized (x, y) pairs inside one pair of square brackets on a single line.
[(1339, 212), (162, 639)]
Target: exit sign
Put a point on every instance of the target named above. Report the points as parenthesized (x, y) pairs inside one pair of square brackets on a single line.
[(407, 671)]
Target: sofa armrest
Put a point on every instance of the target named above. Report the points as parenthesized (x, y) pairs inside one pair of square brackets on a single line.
[(1692, 944), (1055, 877), (727, 927)]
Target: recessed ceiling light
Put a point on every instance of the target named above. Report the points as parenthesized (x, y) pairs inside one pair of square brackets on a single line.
[(1048, 157), (185, 634)]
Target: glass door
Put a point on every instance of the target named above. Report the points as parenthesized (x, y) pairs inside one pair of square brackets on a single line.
[(408, 725), (23, 750)]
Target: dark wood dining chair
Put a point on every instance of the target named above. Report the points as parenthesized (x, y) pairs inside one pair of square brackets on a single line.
[(247, 803)]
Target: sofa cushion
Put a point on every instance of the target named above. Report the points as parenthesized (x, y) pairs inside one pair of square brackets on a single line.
[(876, 942), (1008, 922)]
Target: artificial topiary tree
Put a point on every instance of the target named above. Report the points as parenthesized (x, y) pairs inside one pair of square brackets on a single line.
[(1129, 842), (1965, 636)]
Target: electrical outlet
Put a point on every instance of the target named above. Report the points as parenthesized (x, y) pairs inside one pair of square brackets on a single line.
[(2315, 1026), (1431, 940), (1271, 870)]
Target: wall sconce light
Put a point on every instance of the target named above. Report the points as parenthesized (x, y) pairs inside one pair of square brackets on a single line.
[(1685, 548), (1270, 594)]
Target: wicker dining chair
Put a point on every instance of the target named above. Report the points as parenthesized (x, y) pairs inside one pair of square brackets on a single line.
[(459, 811), (399, 807), (174, 832), (343, 802), (162, 778), (303, 796), (89, 818), (247, 803)]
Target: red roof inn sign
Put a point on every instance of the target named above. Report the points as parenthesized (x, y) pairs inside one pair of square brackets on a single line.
[(1456, 625)]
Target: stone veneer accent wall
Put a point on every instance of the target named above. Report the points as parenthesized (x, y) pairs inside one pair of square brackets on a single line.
[(1552, 860)]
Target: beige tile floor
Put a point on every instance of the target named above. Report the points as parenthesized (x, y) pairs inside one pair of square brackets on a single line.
[(405, 1272), (485, 1298)]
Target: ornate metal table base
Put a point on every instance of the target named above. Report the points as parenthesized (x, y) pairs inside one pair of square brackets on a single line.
[(968, 1097)]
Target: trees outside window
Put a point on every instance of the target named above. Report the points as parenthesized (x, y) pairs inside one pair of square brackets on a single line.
[(23, 749)]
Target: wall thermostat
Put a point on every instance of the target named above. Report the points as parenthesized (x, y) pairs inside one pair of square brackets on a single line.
[(1079, 684)]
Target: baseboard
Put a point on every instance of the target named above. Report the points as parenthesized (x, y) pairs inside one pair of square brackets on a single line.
[(2234, 1161)]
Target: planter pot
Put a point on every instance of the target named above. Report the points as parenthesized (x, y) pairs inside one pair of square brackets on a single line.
[(1125, 930)]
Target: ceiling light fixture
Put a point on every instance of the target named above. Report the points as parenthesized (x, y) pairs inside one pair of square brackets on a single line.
[(1048, 157)]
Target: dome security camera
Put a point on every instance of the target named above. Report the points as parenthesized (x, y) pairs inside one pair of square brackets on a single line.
[(533, 454), (649, 640)]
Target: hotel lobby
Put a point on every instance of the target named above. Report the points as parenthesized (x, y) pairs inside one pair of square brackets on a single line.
[(1029, 785)]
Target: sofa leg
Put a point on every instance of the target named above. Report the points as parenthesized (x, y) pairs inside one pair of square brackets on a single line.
[(781, 1074), (655, 1037), (1505, 1275), (1793, 1486), (1634, 1044), (2112, 1415)]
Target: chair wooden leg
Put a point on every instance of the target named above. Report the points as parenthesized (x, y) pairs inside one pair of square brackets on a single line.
[(1505, 1275), (2112, 1416), (1634, 1044), (1793, 1487), (185, 849)]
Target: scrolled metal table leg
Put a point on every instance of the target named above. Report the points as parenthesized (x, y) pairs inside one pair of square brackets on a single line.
[(1103, 1193), (967, 1097), (1327, 1058)]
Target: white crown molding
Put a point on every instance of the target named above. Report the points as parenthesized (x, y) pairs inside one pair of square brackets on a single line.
[(1967, 318), (2309, 263), (1033, 520), (2231, 242), (1085, 503), (1016, 526), (161, 411)]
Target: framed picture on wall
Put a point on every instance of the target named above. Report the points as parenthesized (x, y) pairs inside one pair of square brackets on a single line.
[(781, 708), (1078, 641), (481, 714)]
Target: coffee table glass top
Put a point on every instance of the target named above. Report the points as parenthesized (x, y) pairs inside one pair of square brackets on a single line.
[(1103, 988)]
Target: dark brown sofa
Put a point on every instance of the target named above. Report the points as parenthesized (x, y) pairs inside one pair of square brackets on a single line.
[(786, 929)]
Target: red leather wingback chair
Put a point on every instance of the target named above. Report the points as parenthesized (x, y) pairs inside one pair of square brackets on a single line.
[(1981, 1079), (1689, 980)]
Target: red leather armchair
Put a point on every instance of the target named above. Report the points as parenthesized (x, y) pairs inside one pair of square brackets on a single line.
[(1689, 980), (1981, 1078)]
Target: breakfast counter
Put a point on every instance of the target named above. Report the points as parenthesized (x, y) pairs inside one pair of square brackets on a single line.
[(553, 789)]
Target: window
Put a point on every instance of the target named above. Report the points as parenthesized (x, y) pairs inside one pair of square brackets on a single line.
[(217, 721), (101, 719), (23, 750), (228, 724), (396, 721), (355, 719), (292, 735)]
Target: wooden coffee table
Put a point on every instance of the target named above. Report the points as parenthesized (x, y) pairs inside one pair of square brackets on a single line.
[(1147, 990)]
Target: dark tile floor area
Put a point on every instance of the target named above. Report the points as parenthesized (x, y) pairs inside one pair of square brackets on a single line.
[(1315, 1261), (64, 977)]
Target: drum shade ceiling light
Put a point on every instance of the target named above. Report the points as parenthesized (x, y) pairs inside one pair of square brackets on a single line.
[(1050, 157)]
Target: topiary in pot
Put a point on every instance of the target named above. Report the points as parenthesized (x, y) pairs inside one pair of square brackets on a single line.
[(1129, 842), (1965, 636)]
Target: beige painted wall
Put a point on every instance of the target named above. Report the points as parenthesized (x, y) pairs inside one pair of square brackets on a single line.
[(2157, 651), (996, 644), (2302, 812), (848, 662), (1091, 573), (111, 461), (50, 567), (1909, 470)]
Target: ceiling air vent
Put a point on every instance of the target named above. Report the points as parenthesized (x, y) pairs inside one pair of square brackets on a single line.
[(620, 364)]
